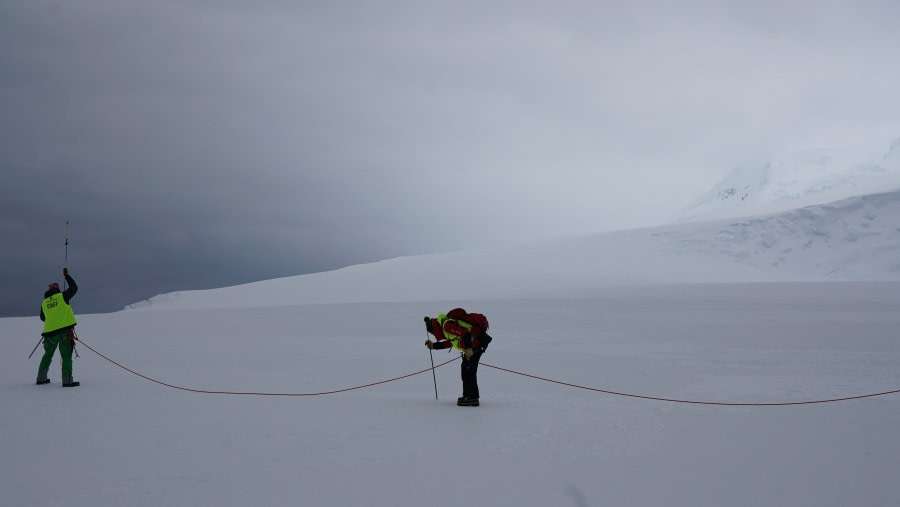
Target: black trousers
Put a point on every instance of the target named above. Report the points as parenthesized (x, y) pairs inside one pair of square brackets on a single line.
[(469, 373)]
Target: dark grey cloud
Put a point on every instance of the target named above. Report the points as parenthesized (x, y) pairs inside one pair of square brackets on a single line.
[(196, 144)]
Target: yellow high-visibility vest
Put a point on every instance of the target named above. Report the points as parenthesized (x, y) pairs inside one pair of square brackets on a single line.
[(57, 313), (453, 337)]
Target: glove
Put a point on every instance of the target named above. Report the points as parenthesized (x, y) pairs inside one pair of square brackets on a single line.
[(429, 344), (428, 324), (66, 272), (469, 353)]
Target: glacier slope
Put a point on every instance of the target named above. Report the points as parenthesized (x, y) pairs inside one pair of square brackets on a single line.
[(856, 239)]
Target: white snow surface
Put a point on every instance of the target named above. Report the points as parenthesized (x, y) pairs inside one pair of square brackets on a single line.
[(119, 439)]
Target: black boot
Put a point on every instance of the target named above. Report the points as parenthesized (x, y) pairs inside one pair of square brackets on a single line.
[(467, 402), (42, 382), (72, 384)]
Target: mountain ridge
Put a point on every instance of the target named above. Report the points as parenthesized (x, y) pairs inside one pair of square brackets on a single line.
[(798, 179), (853, 239)]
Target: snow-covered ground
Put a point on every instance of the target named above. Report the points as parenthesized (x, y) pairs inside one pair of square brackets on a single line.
[(122, 440)]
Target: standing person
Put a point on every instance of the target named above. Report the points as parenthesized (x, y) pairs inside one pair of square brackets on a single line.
[(59, 330), (468, 333)]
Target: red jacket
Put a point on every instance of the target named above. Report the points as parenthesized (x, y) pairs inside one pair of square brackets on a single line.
[(450, 332)]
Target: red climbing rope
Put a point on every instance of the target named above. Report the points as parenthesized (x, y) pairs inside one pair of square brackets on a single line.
[(260, 394), (719, 403), (643, 397)]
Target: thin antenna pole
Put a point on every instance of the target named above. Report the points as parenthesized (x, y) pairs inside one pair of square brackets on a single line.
[(66, 262)]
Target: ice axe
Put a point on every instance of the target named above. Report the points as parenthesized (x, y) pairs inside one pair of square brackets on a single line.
[(73, 338)]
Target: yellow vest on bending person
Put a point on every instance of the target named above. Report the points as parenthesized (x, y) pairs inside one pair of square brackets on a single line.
[(448, 334), (57, 313)]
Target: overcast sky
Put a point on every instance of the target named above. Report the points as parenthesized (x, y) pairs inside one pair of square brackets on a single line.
[(202, 143)]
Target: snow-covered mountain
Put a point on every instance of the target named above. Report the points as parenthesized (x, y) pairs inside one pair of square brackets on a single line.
[(830, 214), (801, 179), (852, 239)]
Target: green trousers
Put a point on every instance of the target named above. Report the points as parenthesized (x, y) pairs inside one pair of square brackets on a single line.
[(62, 341)]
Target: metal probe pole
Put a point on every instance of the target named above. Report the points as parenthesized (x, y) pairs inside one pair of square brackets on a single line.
[(430, 354)]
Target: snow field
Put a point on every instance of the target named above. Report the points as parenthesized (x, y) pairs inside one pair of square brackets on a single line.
[(122, 440)]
